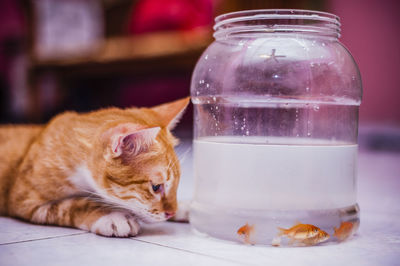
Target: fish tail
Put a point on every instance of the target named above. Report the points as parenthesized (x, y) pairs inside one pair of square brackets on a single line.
[(251, 228), (282, 231)]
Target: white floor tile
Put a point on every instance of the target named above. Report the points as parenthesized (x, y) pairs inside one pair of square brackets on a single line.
[(13, 230), (89, 249)]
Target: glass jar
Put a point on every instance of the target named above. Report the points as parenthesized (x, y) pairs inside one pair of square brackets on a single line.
[(276, 100)]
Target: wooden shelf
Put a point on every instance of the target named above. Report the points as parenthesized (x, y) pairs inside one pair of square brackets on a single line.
[(157, 51)]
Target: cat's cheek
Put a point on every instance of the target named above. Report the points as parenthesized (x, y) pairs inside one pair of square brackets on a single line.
[(117, 224)]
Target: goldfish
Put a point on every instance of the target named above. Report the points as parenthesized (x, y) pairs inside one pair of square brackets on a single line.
[(344, 231), (245, 231), (307, 234)]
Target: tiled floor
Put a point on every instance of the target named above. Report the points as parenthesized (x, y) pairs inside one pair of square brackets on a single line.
[(377, 243)]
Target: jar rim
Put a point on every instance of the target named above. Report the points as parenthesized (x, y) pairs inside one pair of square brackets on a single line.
[(278, 20)]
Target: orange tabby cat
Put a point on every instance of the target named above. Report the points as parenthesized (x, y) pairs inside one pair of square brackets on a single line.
[(100, 171)]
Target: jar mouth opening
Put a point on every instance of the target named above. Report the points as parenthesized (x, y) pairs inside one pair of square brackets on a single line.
[(276, 21)]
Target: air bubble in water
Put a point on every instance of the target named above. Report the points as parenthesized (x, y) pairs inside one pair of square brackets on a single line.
[(316, 107), (247, 132), (308, 134), (201, 81)]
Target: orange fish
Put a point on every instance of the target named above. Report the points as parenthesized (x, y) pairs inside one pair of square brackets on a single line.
[(307, 234), (245, 231), (344, 231)]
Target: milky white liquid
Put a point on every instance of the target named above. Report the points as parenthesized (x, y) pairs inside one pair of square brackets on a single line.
[(257, 175)]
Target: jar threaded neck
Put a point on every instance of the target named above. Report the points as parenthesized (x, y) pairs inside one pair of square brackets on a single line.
[(251, 22)]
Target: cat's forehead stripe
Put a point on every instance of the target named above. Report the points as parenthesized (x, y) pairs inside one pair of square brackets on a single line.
[(127, 197), (126, 182)]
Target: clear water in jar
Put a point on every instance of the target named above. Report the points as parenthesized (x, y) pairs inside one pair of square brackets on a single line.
[(297, 175)]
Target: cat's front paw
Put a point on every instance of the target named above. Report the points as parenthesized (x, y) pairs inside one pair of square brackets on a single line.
[(117, 224)]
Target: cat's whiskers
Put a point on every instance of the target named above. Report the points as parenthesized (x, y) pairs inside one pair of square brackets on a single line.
[(108, 205), (99, 197), (117, 204)]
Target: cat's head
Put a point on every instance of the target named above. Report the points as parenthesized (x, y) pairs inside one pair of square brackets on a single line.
[(139, 168)]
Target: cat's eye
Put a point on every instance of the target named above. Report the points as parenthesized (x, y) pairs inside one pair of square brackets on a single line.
[(156, 188)]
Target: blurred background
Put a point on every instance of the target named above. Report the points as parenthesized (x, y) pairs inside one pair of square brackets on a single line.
[(82, 55)]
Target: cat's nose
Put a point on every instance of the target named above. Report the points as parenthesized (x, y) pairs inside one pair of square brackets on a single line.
[(169, 214)]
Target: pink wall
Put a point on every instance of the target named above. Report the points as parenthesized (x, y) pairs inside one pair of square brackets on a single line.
[(371, 31)]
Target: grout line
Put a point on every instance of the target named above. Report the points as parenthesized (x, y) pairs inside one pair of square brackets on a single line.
[(190, 251), (40, 239)]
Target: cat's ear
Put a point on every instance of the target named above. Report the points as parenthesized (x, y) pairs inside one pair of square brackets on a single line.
[(129, 139), (171, 113)]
